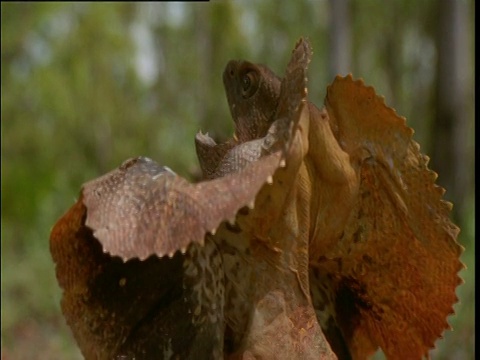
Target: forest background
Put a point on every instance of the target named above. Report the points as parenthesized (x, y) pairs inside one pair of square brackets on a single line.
[(85, 86)]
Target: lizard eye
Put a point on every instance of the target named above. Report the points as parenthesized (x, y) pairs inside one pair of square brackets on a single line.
[(249, 84), (246, 82)]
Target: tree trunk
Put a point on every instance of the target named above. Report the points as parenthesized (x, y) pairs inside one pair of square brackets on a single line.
[(340, 38), (450, 132)]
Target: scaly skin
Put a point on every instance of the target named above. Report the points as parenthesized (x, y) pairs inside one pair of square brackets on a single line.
[(307, 216), (374, 217)]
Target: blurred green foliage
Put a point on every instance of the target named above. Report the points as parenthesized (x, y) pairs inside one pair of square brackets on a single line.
[(88, 85)]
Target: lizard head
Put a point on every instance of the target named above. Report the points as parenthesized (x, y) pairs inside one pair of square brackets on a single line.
[(252, 92)]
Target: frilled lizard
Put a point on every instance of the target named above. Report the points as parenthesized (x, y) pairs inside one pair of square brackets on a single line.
[(307, 217)]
